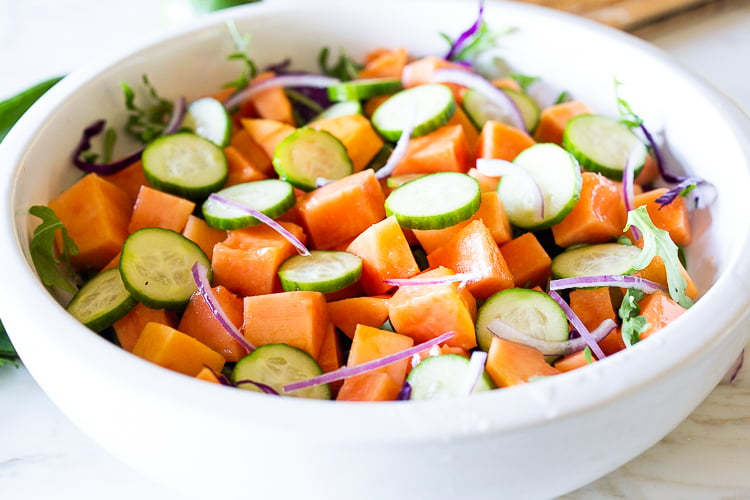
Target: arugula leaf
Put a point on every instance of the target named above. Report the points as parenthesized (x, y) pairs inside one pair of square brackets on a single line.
[(587, 354), (633, 324), (656, 241), (525, 81), (146, 123), (467, 48), (344, 69), (44, 254), (627, 115), (249, 68)]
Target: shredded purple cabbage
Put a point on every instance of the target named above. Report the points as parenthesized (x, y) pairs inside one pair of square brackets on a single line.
[(96, 128), (405, 393), (458, 45)]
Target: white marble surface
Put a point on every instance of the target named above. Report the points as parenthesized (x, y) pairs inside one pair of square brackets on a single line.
[(43, 456)]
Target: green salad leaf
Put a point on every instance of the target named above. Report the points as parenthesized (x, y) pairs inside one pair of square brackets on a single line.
[(54, 270), (344, 69), (147, 122), (8, 355), (656, 241), (249, 68), (633, 323)]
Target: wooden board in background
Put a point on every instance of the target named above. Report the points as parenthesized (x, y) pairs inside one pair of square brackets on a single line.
[(623, 14)]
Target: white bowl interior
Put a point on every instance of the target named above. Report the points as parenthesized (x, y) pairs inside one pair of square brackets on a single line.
[(129, 405)]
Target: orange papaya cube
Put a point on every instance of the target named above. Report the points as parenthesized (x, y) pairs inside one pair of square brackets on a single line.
[(673, 217), (384, 63), (251, 151), (528, 261), (473, 251), (347, 313), (199, 322), (267, 133), (553, 119), (357, 135), (424, 312), (501, 141), (659, 310), (443, 150), (247, 261), (370, 344), (205, 236), (510, 363), (598, 216), (491, 212), (298, 318), (175, 350), (129, 179), (95, 214), (385, 253), (154, 208), (129, 327), (337, 212), (370, 386)]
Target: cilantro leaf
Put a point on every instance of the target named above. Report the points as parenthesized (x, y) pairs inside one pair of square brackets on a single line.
[(656, 241), (53, 269), (146, 123), (633, 324)]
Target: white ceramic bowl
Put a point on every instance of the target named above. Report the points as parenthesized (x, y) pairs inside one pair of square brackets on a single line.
[(534, 441)]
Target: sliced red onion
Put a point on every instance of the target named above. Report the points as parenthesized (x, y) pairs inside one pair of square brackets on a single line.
[(178, 115), (301, 248), (267, 389), (441, 280), (676, 190), (220, 377), (495, 167), (296, 80), (350, 371), (578, 325), (475, 371), (622, 281), (486, 88), (179, 110), (458, 45), (666, 175), (503, 330), (200, 276), (398, 153)]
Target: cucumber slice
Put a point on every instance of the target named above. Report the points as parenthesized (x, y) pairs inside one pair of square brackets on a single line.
[(322, 271), (527, 106), (381, 157), (340, 109), (558, 180), (595, 260), (426, 108), (444, 377), (434, 201), (102, 301), (307, 154), (277, 365), (156, 263), (272, 197), (185, 164), (528, 311), (208, 118), (603, 144), (358, 90), (479, 108)]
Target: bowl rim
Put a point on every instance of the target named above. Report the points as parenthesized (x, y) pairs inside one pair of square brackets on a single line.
[(398, 421)]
